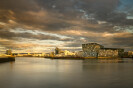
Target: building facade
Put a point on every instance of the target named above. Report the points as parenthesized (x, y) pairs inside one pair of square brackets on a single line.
[(110, 52), (79, 54), (91, 49), (128, 54), (68, 53), (97, 50)]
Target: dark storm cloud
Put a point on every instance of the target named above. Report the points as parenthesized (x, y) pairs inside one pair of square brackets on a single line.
[(15, 9), (65, 7), (105, 10), (123, 40), (72, 8), (53, 14), (5, 15), (30, 13), (57, 25), (102, 9), (18, 5)]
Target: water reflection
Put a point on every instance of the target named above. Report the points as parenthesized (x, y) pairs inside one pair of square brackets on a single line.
[(117, 60), (47, 73), (12, 64)]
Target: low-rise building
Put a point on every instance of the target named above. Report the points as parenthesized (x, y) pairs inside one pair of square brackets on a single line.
[(68, 53), (110, 52), (80, 54), (128, 54), (63, 53)]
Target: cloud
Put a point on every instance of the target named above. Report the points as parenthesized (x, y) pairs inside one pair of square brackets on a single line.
[(81, 21), (123, 39), (41, 13), (7, 34)]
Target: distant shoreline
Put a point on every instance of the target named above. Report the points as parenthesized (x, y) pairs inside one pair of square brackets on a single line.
[(82, 58)]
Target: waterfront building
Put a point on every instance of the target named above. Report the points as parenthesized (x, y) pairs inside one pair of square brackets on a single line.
[(57, 50), (128, 54), (9, 52), (52, 54), (68, 53), (97, 50), (110, 52), (80, 54), (125, 54), (65, 53), (91, 49), (47, 54)]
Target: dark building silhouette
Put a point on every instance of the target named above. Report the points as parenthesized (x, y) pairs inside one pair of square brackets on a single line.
[(57, 50)]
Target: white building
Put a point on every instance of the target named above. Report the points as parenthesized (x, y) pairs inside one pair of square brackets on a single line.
[(66, 53)]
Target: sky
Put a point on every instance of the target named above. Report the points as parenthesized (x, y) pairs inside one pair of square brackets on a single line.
[(42, 25)]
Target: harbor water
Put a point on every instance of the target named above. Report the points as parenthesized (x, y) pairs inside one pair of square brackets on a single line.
[(35, 72)]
